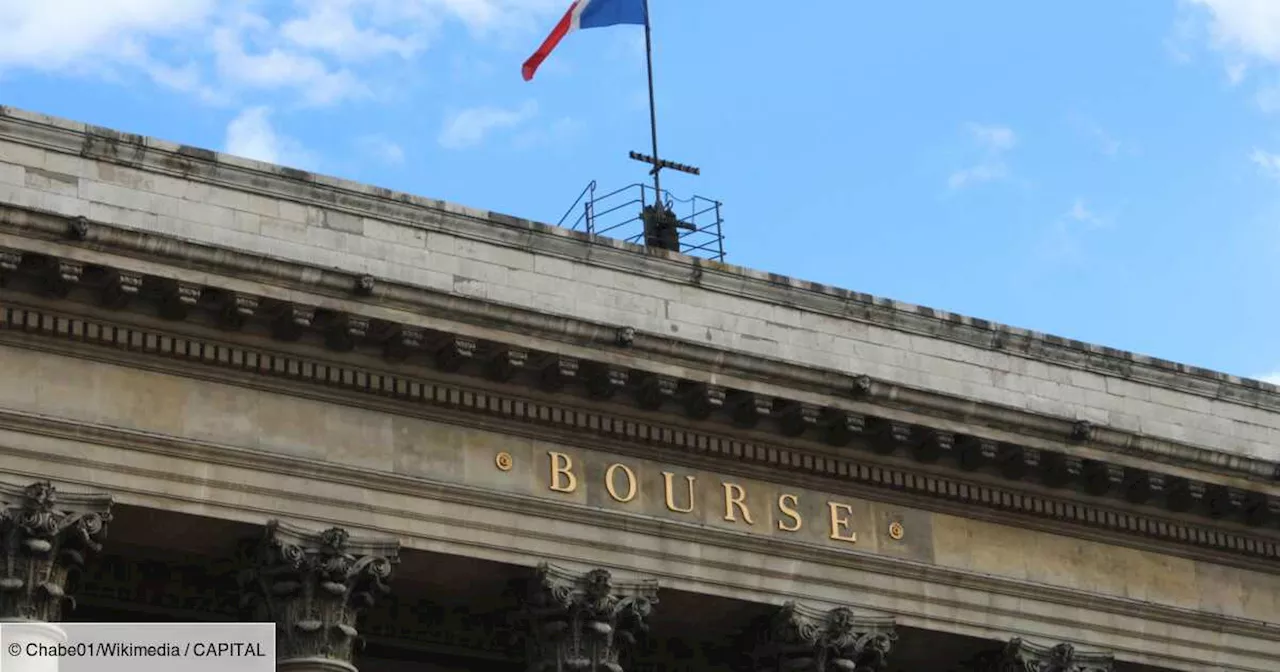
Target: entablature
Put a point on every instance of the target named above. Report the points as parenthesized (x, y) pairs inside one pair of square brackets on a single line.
[(516, 366)]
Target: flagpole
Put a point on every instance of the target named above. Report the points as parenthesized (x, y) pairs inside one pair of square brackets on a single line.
[(653, 112)]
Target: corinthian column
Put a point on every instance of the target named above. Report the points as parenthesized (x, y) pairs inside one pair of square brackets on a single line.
[(314, 587), (1020, 656), (44, 539), (801, 639), (583, 622)]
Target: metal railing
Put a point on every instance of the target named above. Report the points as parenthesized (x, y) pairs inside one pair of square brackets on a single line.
[(616, 214)]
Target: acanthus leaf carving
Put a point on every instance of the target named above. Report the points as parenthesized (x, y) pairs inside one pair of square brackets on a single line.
[(314, 587), (583, 622), (44, 542), (801, 639), (1018, 655)]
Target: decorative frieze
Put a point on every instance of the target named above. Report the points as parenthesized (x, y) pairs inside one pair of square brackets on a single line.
[(702, 401), (583, 622), (314, 587), (46, 538), (1021, 656), (801, 639)]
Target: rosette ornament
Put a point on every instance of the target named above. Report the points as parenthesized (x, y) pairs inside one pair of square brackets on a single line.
[(801, 639), (584, 622), (314, 587), (45, 537)]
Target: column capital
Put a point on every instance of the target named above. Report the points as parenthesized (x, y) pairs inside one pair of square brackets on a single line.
[(314, 585), (47, 536), (584, 621), (1019, 655), (804, 639)]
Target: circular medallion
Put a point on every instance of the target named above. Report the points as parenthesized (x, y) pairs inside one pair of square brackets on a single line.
[(896, 531), (504, 461)]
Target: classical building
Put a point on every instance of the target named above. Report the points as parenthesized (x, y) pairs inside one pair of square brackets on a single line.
[(420, 437)]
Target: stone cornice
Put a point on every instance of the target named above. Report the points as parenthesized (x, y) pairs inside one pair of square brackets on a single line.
[(573, 421), (865, 421), (469, 318), (287, 183), (1008, 592)]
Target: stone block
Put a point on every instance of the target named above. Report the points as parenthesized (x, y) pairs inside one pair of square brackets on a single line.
[(12, 174)]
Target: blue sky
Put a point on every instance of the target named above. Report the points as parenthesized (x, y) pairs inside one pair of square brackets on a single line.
[(1107, 171)]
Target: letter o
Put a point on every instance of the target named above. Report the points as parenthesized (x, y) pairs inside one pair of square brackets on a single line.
[(631, 482)]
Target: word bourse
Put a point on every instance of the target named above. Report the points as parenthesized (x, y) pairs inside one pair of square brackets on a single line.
[(623, 486)]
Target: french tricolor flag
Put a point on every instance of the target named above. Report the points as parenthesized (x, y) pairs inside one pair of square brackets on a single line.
[(587, 14)]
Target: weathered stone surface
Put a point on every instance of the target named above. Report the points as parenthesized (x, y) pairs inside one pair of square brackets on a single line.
[(524, 264), (1022, 656), (314, 587), (583, 622), (802, 639), (44, 541), (215, 442)]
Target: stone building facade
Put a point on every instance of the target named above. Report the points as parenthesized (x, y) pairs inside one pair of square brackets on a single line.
[(420, 437)]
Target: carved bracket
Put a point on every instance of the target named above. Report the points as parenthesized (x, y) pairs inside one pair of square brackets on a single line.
[(45, 538), (557, 371), (801, 639), (653, 390), (583, 622), (314, 586)]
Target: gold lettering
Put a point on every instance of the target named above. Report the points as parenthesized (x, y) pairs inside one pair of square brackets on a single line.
[(562, 465), (735, 496), (841, 523), (631, 482), (788, 509), (671, 495)]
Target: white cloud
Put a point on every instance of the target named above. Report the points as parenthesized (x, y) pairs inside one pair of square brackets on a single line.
[(1247, 28), (70, 34), (985, 172), (558, 132), (994, 138), (330, 26), (469, 128), (381, 149), (994, 141), (1066, 239), (1081, 214), (1109, 145), (274, 69), (319, 52), (1267, 162), (252, 136), (1273, 378)]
